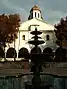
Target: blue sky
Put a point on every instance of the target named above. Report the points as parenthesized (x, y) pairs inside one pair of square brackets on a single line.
[(52, 10)]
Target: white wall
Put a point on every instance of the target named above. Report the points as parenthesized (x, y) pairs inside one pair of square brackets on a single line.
[(19, 43)]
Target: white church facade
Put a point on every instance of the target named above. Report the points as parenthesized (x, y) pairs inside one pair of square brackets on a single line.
[(34, 20)]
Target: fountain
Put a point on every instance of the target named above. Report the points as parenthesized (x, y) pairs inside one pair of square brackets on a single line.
[(37, 58)]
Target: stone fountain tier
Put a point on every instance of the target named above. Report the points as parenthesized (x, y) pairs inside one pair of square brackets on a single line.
[(35, 56), (36, 37), (36, 32), (36, 42)]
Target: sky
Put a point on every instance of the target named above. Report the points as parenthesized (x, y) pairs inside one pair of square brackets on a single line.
[(52, 10)]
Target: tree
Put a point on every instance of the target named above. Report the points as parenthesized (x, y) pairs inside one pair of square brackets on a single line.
[(61, 32), (9, 26)]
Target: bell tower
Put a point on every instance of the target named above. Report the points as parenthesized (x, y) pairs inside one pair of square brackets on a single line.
[(35, 12)]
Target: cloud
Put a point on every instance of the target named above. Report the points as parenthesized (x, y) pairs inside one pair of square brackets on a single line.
[(11, 6), (14, 8), (52, 10), (54, 16)]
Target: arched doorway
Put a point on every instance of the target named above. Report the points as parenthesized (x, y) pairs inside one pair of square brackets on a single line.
[(60, 54), (35, 50), (23, 53), (11, 53), (47, 50), (2, 54), (48, 54)]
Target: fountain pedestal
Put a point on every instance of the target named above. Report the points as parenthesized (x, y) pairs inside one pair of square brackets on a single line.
[(37, 59)]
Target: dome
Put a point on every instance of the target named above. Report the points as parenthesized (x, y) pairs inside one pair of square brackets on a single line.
[(35, 7)]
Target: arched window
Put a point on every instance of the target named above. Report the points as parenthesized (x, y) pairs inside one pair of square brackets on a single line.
[(38, 15), (23, 37), (47, 37), (35, 14)]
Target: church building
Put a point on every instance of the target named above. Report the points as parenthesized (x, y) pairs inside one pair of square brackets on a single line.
[(35, 20)]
